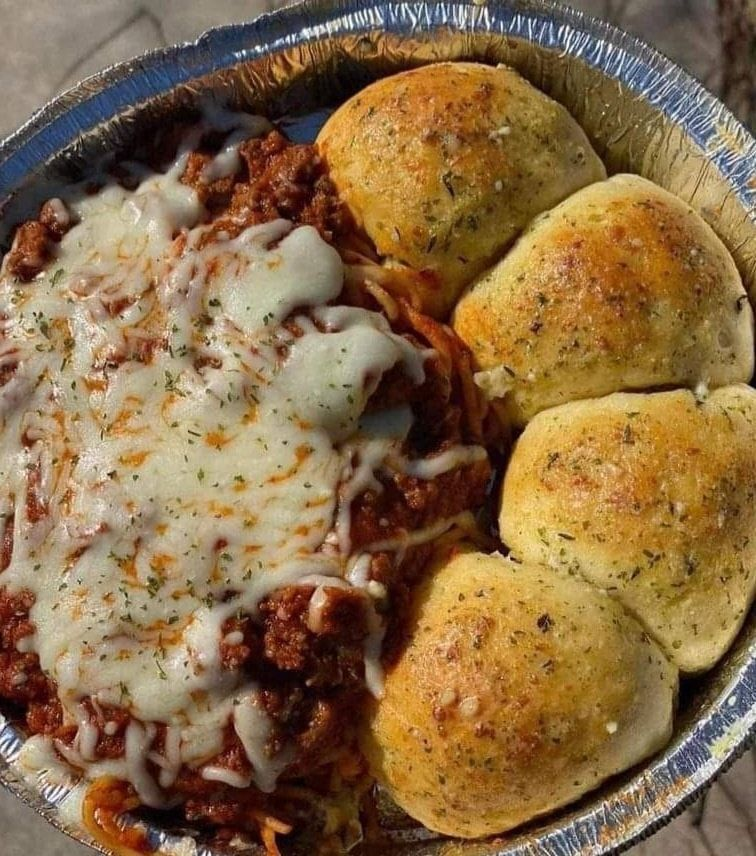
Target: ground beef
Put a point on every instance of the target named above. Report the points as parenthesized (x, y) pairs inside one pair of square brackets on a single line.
[(31, 248), (55, 218), (234, 656), (21, 679), (278, 180), (36, 504), (7, 371), (47, 718), (292, 642), (312, 668), (30, 251), (438, 418), (6, 543), (408, 503), (214, 195)]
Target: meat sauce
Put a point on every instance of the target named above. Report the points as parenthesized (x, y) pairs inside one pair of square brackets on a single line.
[(311, 677)]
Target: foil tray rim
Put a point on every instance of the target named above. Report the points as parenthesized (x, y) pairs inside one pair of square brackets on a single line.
[(665, 787)]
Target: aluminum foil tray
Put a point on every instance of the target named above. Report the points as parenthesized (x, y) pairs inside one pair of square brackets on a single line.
[(642, 113)]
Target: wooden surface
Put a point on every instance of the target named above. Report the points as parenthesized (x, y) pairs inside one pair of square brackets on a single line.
[(46, 45)]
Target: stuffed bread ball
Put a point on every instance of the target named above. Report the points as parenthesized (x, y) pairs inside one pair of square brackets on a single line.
[(443, 165), (652, 497), (621, 287), (519, 690)]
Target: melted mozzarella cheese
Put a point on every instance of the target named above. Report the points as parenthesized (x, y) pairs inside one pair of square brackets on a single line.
[(171, 452)]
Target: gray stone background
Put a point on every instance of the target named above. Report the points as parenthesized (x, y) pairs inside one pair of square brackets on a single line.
[(47, 45)]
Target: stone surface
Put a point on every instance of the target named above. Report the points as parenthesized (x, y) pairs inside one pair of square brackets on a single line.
[(47, 46)]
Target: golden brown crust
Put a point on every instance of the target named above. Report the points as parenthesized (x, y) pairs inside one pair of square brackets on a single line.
[(520, 689), (443, 165), (622, 286), (651, 497)]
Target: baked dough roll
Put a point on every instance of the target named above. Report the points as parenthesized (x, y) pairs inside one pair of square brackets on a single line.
[(443, 165), (651, 497), (621, 287), (519, 690)]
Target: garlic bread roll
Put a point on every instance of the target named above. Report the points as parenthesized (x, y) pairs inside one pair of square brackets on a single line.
[(519, 690), (652, 497), (443, 165), (621, 287)]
